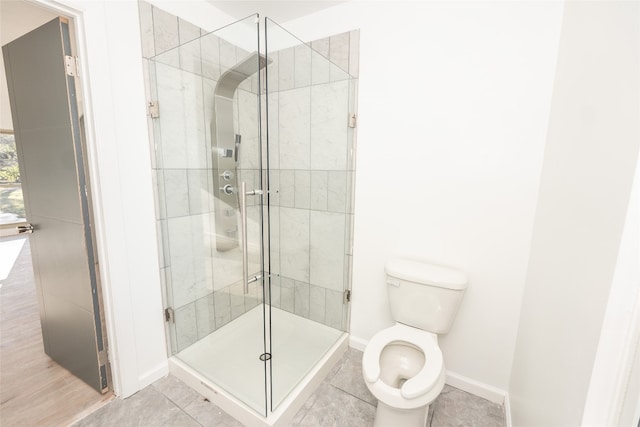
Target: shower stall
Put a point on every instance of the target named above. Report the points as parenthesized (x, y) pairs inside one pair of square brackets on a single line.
[(254, 160)]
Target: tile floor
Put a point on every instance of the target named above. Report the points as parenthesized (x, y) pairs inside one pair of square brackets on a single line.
[(341, 400)]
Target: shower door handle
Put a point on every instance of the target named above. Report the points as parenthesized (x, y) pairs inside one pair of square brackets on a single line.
[(243, 238)]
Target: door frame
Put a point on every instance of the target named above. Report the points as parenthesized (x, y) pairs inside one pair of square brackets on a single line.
[(128, 269)]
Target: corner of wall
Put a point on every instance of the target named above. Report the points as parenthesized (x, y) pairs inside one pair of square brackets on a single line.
[(152, 375), (507, 410), (357, 343)]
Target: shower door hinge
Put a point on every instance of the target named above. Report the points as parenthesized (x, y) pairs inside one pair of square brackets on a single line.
[(71, 66), (353, 120), (347, 296), (168, 315), (154, 109)]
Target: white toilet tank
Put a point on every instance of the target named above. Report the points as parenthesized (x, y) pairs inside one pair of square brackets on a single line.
[(423, 295)]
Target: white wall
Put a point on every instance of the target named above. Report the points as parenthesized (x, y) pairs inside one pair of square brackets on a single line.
[(620, 328), (453, 104), (591, 153)]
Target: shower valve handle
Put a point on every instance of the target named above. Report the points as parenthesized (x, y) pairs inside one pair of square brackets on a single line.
[(228, 189)]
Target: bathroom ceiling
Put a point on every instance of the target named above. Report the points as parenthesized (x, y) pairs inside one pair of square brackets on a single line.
[(279, 11)]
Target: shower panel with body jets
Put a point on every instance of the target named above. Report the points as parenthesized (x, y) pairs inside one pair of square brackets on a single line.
[(225, 145), (230, 198), (254, 164)]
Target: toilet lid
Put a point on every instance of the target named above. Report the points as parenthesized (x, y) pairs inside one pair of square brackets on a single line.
[(424, 380)]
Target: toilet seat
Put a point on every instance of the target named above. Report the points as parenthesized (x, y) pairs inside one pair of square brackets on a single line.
[(429, 378)]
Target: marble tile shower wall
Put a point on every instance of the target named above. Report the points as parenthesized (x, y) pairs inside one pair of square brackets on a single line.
[(201, 283), (311, 157), (311, 213)]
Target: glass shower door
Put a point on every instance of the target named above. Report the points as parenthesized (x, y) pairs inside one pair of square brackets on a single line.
[(209, 177), (309, 102)]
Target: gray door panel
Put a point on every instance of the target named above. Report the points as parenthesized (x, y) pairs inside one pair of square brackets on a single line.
[(28, 54), (59, 245), (50, 154), (52, 158), (66, 320)]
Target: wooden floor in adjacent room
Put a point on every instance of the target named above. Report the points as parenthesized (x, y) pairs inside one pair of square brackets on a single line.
[(34, 390)]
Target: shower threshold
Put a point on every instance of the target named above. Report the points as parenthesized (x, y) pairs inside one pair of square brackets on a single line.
[(226, 365)]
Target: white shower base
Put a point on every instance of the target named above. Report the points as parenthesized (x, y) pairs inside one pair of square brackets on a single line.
[(225, 365)]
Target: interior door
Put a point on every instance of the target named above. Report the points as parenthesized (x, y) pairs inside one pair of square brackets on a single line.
[(42, 93)]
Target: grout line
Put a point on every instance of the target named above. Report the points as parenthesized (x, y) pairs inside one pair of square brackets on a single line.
[(307, 412), (185, 412), (350, 394), (433, 414)]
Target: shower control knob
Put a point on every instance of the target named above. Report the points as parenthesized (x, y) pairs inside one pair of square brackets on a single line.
[(228, 189), (227, 175)]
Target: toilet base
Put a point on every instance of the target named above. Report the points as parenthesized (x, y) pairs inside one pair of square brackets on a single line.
[(387, 416)]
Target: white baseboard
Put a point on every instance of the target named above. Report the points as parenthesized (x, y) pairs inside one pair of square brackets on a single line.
[(492, 394), (153, 375), (507, 411), (357, 343)]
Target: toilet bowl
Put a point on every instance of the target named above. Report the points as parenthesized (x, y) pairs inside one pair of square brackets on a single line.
[(402, 365), (403, 369)]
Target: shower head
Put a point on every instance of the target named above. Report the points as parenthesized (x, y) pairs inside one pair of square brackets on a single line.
[(231, 79)]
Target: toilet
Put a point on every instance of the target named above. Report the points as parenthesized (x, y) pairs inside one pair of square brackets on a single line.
[(402, 365)]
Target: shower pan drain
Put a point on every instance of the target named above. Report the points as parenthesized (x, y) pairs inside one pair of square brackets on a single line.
[(265, 356)]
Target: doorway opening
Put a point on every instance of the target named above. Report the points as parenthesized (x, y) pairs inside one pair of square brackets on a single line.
[(54, 366), (12, 212)]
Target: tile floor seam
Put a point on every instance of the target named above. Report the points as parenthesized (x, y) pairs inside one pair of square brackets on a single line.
[(352, 395), (186, 413), (433, 414), (189, 415), (443, 392), (176, 403), (181, 408), (316, 400), (305, 414)]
